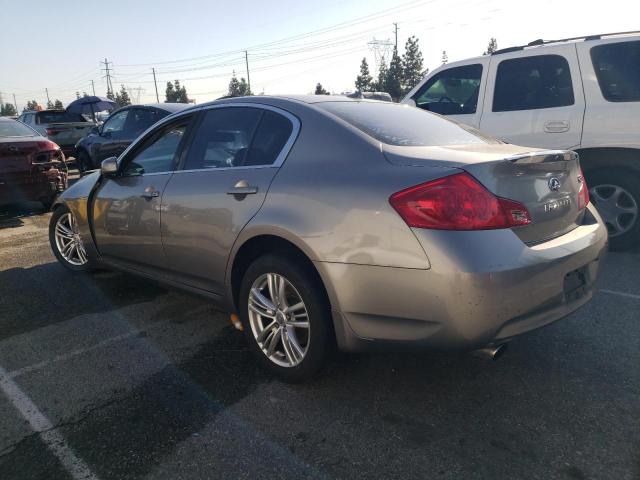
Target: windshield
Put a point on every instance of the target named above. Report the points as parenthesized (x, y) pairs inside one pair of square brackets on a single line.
[(403, 125), (15, 129)]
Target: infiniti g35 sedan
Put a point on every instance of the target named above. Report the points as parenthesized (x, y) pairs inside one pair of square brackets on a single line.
[(320, 221)]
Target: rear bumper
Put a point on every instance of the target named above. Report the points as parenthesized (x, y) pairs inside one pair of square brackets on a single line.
[(482, 288), (32, 187)]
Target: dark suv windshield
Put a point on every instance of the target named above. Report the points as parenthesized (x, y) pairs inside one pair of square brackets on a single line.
[(403, 125), (15, 129)]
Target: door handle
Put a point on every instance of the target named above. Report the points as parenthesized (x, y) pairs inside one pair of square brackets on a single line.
[(242, 188), (149, 193), (556, 126)]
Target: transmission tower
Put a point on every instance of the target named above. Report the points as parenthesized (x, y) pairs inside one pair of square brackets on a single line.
[(381, 50), (138, 91)]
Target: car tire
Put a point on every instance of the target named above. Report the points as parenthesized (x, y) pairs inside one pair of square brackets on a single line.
[(83, 161), (616, 196), (72, 257), (299, 352)]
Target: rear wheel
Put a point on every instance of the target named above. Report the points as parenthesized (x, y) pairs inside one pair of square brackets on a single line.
[(286, 317), (616, 195), (65, 241)]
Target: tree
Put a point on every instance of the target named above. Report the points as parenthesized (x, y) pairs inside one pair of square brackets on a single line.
[(33, 105), (492, 47), (122, 97), (380, 85), (7, 110), (445, 58), (58, 105), (320, 90), (364, 81), (412, 65), (110, 95), (393, 80), (108, 92), (238, 88), (49, 105), (175, 93)]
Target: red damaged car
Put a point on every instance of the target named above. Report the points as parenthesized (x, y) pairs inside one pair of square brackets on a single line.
[(32, 168)]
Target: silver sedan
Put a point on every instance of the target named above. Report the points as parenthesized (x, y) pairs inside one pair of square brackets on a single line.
[(319, 220)]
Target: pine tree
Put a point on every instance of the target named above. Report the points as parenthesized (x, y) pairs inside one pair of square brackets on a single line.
[(78, 94), (33, 105), (238, 88), (380, 85), (364, 81), (58, 105), (320, 90), (412, 65), (180, 92), (393, 80), (170, 94), (122, 97), (49, 105), (110, 95), (492, 47), (445, 58)]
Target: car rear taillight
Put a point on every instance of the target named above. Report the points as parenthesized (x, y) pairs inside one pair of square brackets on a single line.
[(583, 192), (457, 202), (55, 131)]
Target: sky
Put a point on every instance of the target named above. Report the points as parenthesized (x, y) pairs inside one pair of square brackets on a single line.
[(291, 44)]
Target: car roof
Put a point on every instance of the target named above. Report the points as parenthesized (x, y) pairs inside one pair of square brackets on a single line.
[(304, 99), (585, 38)]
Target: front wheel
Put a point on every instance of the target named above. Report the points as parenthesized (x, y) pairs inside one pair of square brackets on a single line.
[(286, 317), (66, 244), (616, 196)]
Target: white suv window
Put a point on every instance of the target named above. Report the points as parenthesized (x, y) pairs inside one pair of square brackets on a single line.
[(617, 66), (531, 83)]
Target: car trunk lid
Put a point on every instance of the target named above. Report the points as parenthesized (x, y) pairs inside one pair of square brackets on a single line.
[(547, 182)]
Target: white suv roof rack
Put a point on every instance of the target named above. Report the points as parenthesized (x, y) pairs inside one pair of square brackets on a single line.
[(540, 41)]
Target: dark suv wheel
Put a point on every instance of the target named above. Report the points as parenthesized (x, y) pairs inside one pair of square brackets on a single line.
[(286, 317)]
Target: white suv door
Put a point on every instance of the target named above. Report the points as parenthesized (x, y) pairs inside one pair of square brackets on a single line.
[(535, 100)]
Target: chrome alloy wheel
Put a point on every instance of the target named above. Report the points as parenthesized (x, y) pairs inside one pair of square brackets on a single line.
[(68, 241), (279, 320), (617, 207)]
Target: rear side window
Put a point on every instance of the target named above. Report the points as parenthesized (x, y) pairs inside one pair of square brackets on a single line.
[(451, 92), (530, 83), (272, 135), (59, 117), (13, 128), (403, 125), (617, 67)]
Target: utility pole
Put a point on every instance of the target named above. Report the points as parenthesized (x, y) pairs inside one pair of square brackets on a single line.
[(15, 104), (395, 29), (48, 99), (156, 84), (246, 60), (107, 74), (93, 87)]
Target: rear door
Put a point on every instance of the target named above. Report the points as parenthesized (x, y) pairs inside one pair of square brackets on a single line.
[(127, 208), (227, 170), (535, 100), (456, 92)]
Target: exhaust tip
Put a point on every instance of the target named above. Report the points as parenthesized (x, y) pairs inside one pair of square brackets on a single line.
[(493, 352)]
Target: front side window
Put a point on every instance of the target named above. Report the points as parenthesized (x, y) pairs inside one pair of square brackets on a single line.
[(451, 92), (223, 137), (115, 123), (158, 153), (617, 67), (531, 83)]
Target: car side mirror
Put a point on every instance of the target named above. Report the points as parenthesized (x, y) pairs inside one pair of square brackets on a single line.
[(411, 102), (109, 167)]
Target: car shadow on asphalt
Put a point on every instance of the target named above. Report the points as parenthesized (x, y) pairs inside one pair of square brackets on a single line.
[(11, 215)]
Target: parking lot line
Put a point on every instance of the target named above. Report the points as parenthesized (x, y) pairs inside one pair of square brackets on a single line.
[(622, 294), (45, 429)]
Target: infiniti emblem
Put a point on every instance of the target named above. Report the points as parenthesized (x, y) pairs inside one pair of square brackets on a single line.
[(554, 183)]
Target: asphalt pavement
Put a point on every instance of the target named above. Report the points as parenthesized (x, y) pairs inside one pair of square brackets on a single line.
[(107, 376)]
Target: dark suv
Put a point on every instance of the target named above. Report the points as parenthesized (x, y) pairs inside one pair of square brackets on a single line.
[(118, 131)]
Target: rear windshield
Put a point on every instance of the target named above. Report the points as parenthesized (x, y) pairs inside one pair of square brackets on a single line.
[(15, 129), (59, 117), (403, 125), (617, 67)]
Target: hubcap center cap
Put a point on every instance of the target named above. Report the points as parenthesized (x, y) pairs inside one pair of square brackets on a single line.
[(280, 318)]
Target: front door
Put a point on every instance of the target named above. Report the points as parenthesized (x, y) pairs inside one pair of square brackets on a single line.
[(535, 100), (127, 207), (235, 153)]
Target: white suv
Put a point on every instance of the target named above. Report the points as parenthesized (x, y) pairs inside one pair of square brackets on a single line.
[(581, 94)]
